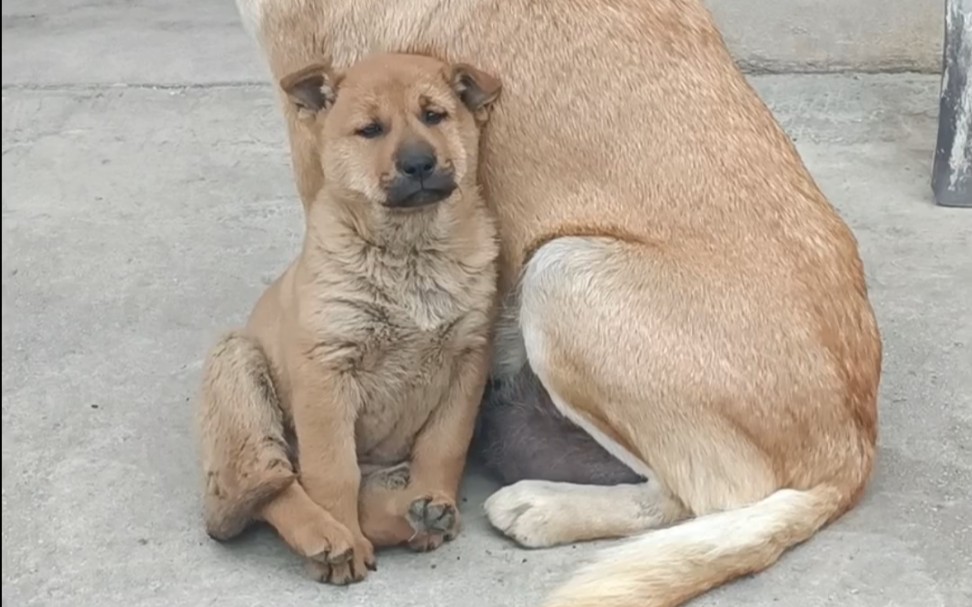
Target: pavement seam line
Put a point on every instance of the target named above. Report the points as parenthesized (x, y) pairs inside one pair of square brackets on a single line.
[(176, 86)]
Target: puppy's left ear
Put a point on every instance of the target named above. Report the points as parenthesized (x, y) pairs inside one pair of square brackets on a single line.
[(475, 88)]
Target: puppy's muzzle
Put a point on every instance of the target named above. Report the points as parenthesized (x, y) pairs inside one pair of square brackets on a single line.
[(419, 180)]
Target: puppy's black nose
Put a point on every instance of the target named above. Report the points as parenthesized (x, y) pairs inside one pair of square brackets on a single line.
[(416, 162)]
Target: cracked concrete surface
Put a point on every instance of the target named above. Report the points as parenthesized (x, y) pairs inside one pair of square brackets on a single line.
[(141, 221)]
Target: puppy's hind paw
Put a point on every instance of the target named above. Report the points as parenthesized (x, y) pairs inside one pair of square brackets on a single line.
[(435, 519)]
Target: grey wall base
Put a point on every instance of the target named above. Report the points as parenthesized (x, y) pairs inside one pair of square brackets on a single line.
[(952, 169)]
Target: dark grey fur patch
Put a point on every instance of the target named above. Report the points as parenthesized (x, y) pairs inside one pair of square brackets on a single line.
[(521, 435)]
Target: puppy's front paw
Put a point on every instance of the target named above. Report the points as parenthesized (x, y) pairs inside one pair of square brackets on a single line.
[(323, 539), (345, 568), (435, 519)]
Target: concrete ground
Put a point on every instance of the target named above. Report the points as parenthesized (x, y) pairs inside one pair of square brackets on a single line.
[(146, 202)]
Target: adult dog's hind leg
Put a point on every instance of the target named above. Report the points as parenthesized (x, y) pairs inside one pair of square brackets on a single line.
[(610, 340), (244, 451)]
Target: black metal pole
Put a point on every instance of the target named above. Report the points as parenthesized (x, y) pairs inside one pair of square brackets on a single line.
[(952, 170)]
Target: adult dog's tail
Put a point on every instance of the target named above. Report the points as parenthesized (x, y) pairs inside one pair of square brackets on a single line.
[(667, 567)]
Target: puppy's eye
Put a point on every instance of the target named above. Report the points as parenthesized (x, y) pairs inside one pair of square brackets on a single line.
[(371, 131), (432, 117)]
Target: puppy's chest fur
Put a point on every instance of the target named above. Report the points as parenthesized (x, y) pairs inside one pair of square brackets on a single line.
[(393, 324)]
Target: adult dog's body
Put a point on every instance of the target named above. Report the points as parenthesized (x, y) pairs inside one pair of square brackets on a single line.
[(673, 275)]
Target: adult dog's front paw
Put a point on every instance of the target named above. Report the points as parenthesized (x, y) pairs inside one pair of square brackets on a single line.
[(435, 519)]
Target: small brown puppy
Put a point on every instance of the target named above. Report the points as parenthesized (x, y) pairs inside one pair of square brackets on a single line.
[(362, 367)]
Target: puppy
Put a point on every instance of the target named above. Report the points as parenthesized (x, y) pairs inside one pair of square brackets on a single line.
[(369, 355)]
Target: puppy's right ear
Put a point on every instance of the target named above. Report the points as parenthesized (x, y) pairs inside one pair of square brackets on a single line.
[(311, 89)]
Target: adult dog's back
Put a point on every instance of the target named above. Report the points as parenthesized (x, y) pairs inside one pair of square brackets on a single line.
[(677, 281)]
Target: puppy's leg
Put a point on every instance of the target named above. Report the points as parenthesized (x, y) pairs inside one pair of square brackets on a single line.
[(381, 504), (439, 456), (247, 463), (521, 435), (425, 514), (244, 452), (324, 419), (310, 530)]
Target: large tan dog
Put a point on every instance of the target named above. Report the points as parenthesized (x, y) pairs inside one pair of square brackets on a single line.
[(675, 278), (373, 345)]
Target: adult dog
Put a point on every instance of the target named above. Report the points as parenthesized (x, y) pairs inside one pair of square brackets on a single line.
[(673, 276)]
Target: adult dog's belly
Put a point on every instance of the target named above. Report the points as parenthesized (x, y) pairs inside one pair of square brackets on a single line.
[(521, 435)]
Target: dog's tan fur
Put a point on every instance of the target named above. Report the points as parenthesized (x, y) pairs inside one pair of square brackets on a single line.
[(676, 279), (373, 346)]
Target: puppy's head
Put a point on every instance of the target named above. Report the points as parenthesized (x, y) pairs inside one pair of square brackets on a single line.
[(399, 131)]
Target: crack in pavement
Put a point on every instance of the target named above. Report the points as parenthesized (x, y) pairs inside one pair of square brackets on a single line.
[(161, 86), (175, 86)]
